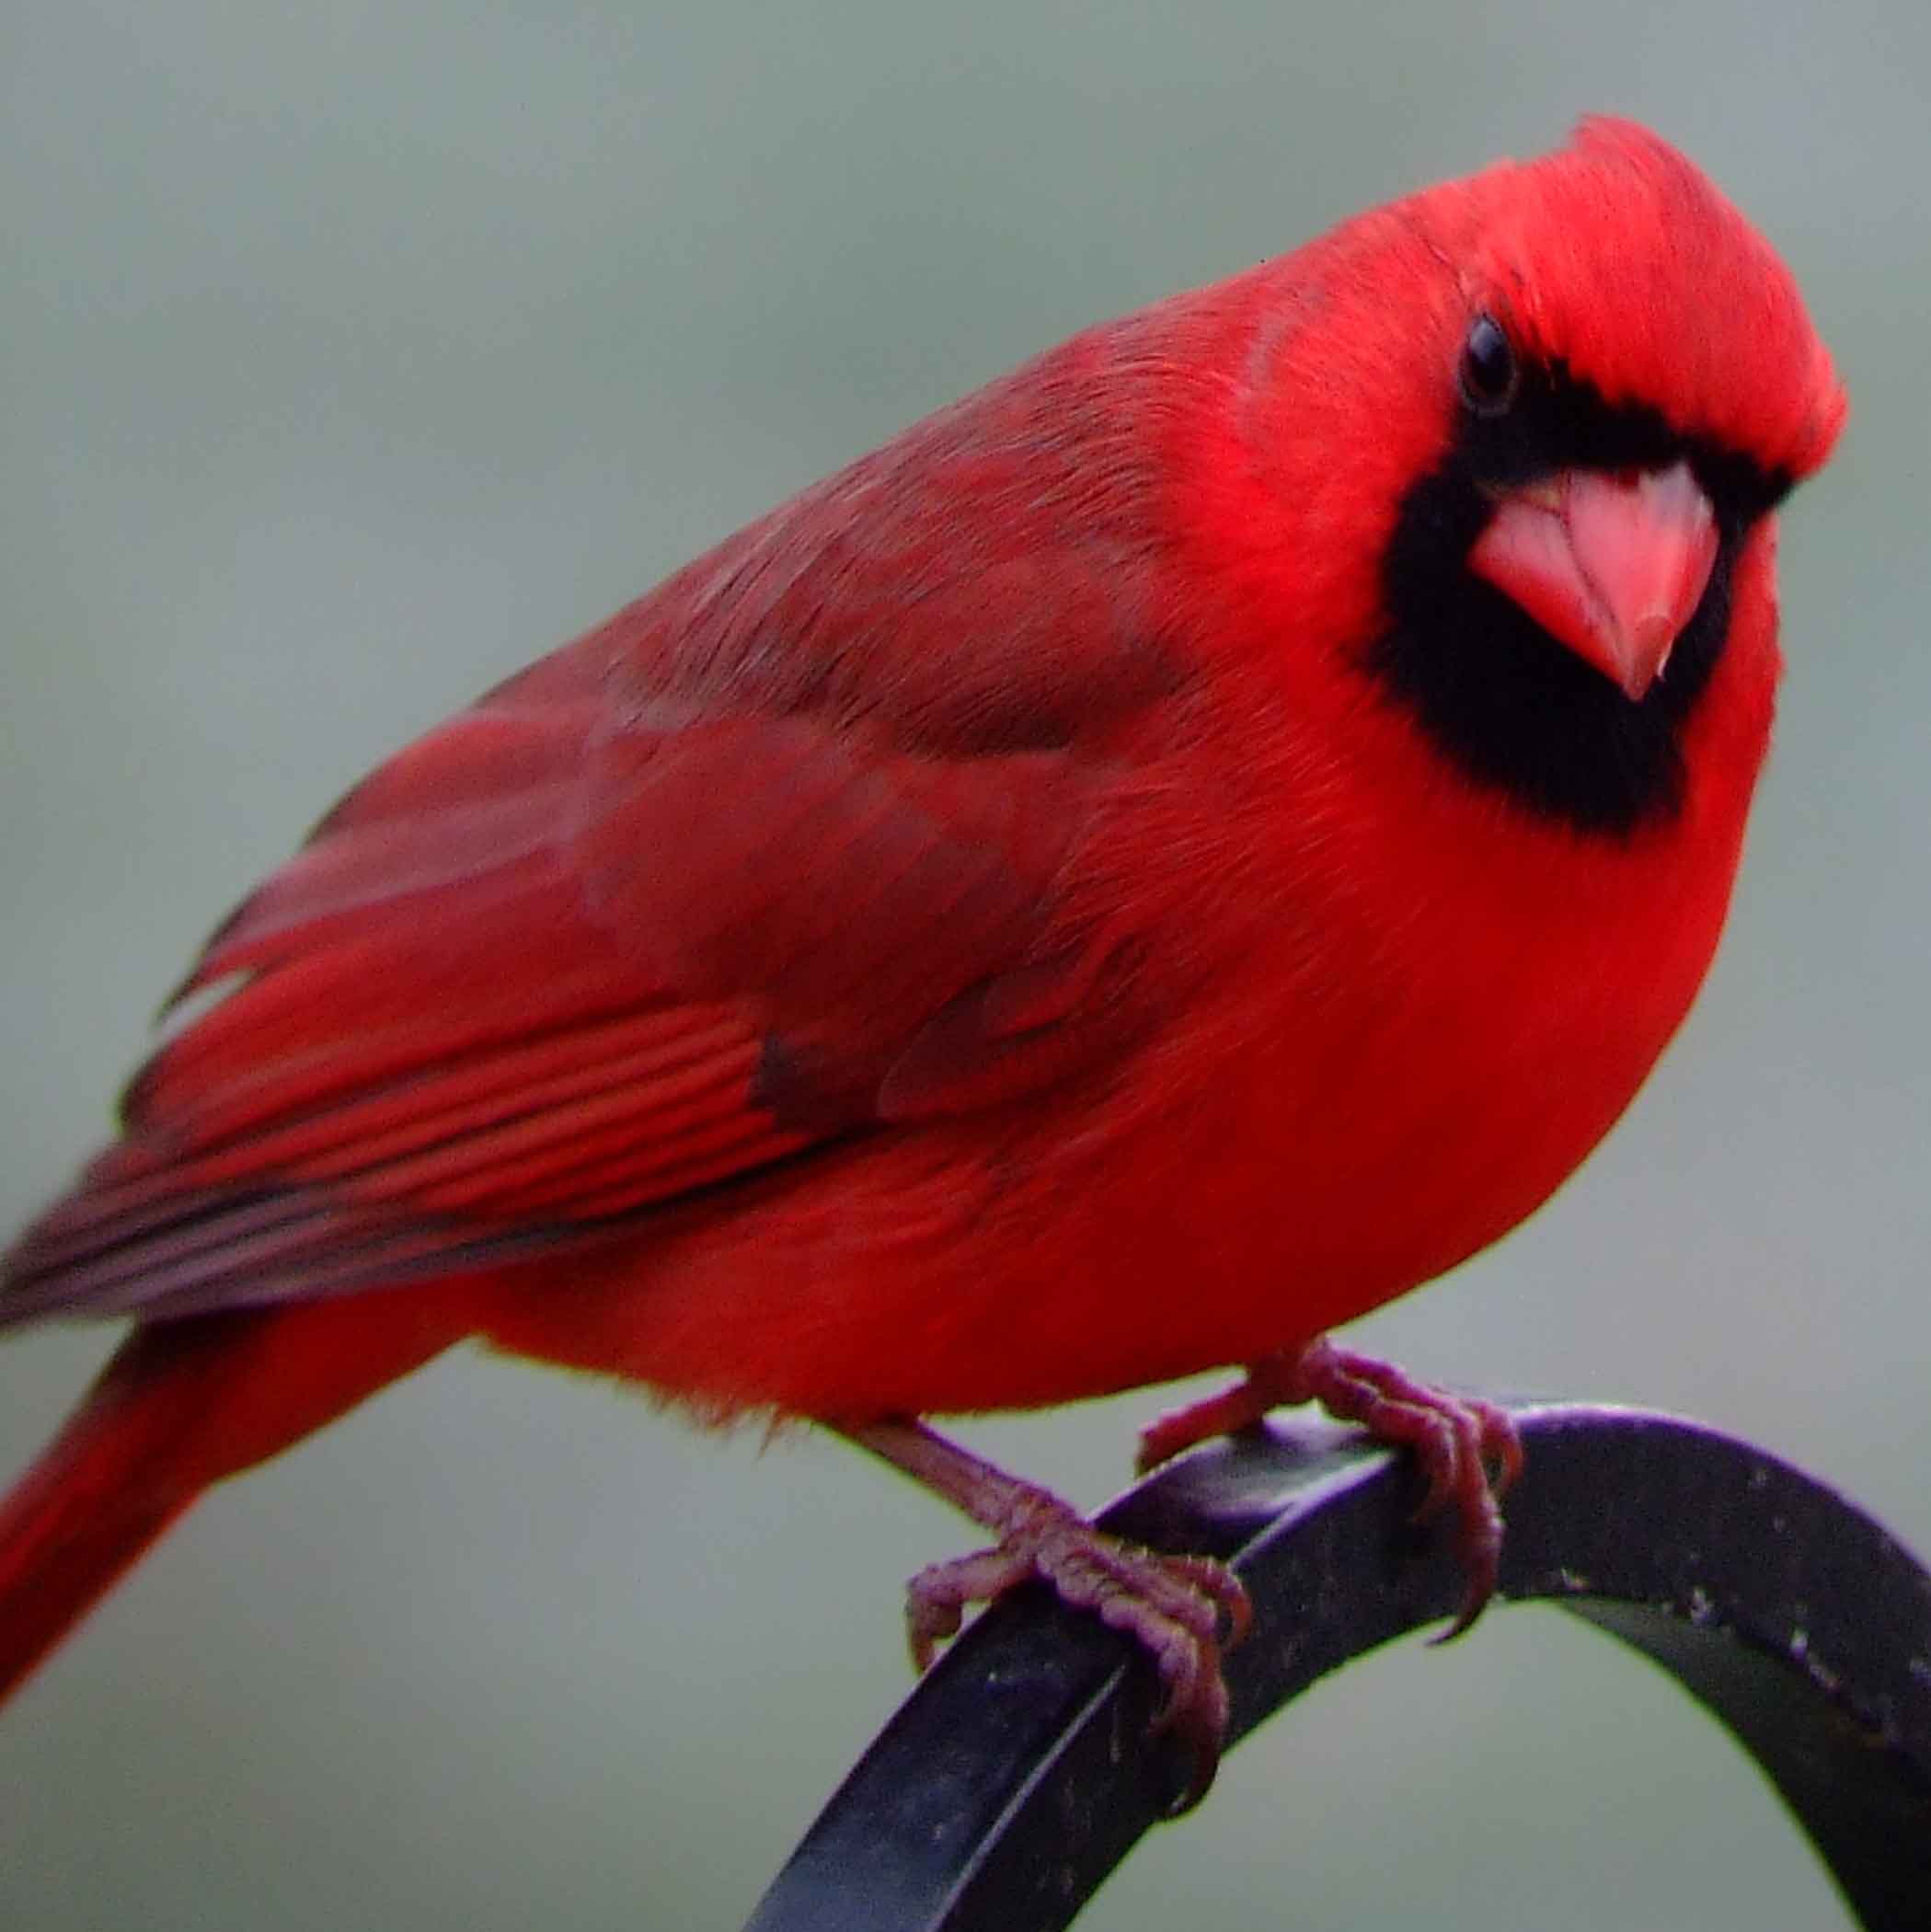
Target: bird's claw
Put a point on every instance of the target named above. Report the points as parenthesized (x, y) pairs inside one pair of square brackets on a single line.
[(1182, 1610), (1469, 1449)]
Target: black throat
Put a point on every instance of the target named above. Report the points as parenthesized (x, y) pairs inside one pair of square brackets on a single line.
[(1512, 708)]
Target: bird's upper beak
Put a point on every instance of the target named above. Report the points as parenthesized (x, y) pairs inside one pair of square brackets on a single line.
[(1613, 564)]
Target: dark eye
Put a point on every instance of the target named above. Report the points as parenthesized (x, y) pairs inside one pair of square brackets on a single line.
[(1489, 371)]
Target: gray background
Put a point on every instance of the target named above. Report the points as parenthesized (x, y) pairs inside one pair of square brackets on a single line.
[(351, 354)]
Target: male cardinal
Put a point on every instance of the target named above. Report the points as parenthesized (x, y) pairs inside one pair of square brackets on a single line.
[(1166, 855)]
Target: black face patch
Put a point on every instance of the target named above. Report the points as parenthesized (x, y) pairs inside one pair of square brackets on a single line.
[(1508, 704)]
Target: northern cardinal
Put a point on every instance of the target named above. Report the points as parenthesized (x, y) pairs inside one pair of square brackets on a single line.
[(1169, 853)]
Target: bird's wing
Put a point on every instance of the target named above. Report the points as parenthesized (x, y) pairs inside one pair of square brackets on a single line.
[(595, 945)]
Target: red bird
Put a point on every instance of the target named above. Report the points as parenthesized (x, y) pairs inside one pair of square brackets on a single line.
[(1168, 853)]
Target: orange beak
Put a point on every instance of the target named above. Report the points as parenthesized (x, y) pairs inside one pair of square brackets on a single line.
[(1612, 565)]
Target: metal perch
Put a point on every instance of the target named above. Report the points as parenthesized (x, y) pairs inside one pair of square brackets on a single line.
[(1020, 1771)]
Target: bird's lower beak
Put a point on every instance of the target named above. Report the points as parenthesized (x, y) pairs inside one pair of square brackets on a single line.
[(1612, 564)]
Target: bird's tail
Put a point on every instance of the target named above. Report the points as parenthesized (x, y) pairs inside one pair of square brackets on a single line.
[(180, 1405)]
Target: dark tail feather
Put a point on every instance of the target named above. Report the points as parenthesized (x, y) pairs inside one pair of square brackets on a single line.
[(181, 1406)]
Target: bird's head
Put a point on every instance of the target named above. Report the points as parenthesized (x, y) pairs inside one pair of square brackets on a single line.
[(1575, 388)]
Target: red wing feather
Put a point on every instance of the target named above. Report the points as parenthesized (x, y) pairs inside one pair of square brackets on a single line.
[(545, 970)]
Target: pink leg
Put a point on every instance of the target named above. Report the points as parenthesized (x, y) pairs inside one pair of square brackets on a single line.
[(1455, 1438), (1173, 1606)]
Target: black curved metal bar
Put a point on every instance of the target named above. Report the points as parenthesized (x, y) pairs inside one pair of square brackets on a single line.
[(1020, 1770)]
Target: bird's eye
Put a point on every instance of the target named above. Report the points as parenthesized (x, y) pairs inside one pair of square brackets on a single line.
[(1489, 371)]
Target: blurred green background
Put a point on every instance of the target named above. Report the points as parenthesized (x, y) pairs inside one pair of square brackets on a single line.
[(352, 355)]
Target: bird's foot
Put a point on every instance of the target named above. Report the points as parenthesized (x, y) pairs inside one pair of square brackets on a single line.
[(1469, 1449), (1182, 1610)]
